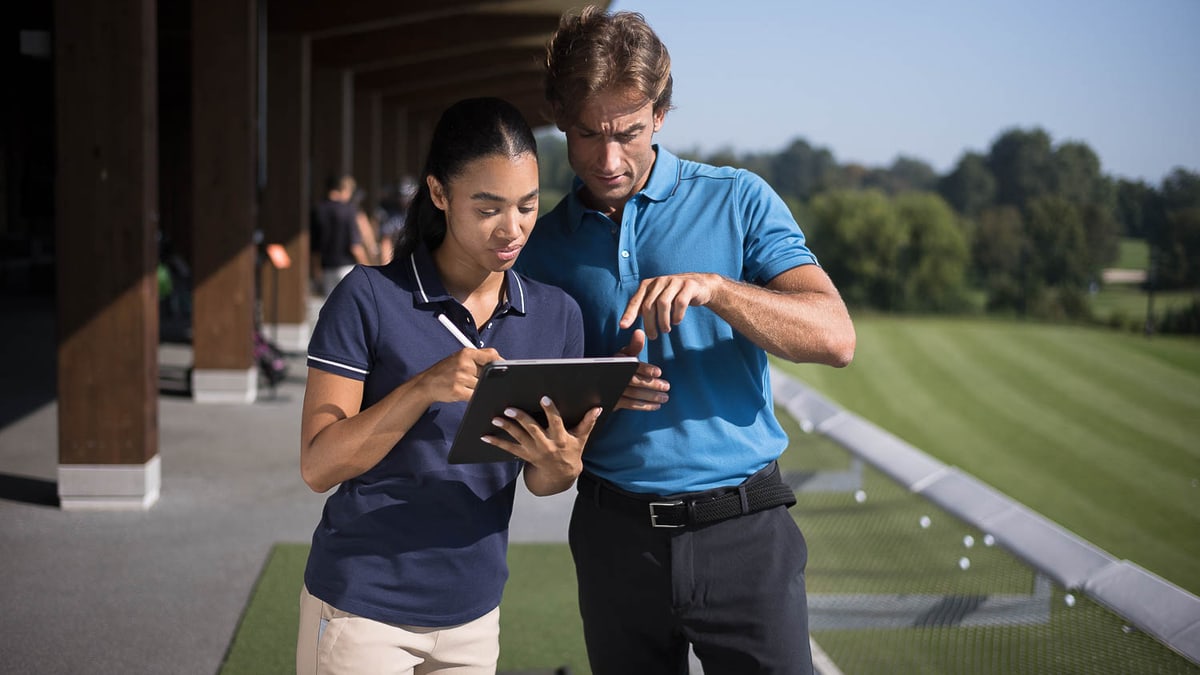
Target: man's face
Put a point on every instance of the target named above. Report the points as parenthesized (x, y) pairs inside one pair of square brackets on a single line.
[(610, 147)]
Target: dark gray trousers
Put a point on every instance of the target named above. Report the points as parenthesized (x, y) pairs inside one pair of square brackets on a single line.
[(733, 589)]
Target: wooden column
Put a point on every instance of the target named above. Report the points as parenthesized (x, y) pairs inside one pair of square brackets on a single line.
[(224, 139), (332, 126), (285, 202), (106, 212)]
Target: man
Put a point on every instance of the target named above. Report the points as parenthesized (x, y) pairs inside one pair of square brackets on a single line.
[(680, 530), (336, 240)]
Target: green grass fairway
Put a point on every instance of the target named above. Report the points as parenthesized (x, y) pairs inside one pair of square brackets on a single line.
[(1097, 430), (1128, 303), (1133, 254)]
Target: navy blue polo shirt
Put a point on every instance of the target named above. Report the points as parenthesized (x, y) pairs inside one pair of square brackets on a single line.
[(719, 426), (416, 540)]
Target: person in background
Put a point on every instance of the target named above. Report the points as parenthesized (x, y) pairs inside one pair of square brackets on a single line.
[(408, 561), (680, 531), (392, 212), (336, 241)]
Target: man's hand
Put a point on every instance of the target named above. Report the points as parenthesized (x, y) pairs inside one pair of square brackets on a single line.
[(647, 390), (662, 301)]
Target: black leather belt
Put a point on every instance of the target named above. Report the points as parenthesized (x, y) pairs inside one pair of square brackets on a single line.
[(761, 491)]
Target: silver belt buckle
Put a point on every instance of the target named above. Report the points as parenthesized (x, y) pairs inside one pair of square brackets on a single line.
[(654, 516)]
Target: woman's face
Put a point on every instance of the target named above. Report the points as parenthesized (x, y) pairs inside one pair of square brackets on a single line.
[(491, 207)]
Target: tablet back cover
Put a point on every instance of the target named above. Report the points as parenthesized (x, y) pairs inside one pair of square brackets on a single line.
[(575, 385)]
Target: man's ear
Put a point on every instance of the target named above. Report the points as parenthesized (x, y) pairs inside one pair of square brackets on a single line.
[(659, 116), (437, 193)]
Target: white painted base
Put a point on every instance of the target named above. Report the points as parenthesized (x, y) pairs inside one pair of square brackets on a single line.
[(225, 386), (109, 487), (290, 337)]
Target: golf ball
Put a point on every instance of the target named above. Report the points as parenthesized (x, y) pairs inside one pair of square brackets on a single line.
[(860, 496), (964, 562), (925, 522), (968, 541)]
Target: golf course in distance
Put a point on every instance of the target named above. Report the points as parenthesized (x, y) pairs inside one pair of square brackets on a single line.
[(1096, 429)]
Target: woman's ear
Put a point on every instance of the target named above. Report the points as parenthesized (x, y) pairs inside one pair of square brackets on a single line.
[(437, 193)]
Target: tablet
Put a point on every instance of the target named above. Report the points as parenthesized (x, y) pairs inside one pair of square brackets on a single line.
[(575, 385)]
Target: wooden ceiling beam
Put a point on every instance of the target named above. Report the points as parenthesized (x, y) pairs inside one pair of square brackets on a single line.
[(438, 96), (491, 63), (321, 19), (446, 36)]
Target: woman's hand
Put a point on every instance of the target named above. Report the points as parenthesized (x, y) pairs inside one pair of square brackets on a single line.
[(553, 454), (455, 377)]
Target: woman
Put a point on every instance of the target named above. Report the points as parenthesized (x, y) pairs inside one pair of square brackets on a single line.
[(408, 562)]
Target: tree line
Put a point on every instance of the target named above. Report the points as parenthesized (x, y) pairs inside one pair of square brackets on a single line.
[(1028, 226)]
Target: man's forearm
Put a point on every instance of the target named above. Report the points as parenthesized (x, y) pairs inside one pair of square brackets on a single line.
[(800, 316)]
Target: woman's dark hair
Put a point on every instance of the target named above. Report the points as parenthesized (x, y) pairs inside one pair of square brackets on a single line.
[(468, 130)]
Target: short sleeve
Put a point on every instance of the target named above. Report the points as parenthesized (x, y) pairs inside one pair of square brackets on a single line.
[(342, 340), (774, 242)]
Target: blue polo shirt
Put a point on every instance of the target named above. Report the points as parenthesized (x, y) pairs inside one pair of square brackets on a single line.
[(416, 540), (719, 426)]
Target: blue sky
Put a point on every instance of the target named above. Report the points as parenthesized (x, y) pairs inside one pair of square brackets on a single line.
[(933, 79)]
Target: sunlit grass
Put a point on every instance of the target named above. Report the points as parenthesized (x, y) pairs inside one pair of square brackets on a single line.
[(1094, 429)]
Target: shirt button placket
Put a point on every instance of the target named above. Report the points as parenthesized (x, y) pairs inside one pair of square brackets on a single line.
[(627, 262)]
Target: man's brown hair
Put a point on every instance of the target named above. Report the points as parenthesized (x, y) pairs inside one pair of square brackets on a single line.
[(595, 51)]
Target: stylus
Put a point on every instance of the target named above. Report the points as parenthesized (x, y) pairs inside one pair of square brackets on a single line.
[(462, 339)]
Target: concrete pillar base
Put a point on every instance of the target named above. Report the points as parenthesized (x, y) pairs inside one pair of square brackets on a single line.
[(225, 386), (109, 487)]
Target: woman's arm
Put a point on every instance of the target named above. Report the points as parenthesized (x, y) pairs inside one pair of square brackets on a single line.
[(339, 440)]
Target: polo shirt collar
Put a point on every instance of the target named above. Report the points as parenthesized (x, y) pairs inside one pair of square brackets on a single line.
[(664, 179), (431, 291)]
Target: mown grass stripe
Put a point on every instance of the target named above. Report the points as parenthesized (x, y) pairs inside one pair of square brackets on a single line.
[(1124, 473), (1095, 429), (1103, 409)]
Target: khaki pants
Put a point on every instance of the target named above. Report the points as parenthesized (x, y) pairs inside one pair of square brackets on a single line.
[(333, 642)]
